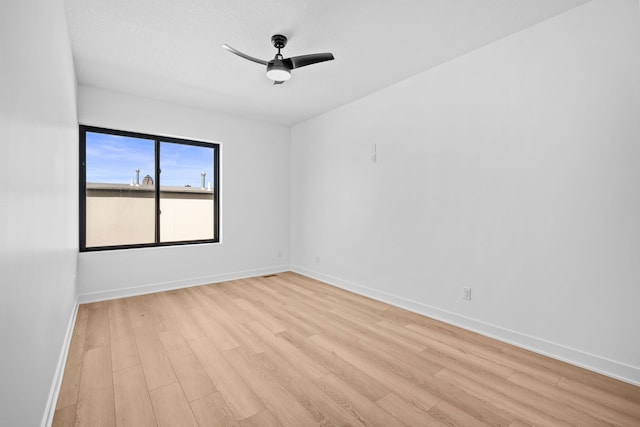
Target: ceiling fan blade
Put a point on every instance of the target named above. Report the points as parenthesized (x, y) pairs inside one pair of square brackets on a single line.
[(304, 60), (244, 55), (276, 82)]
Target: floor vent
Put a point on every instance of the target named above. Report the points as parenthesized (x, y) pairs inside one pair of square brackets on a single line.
[(269, 275)]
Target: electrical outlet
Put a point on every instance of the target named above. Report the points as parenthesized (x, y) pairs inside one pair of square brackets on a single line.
[(280, 254), (466, 294), (318, 259)]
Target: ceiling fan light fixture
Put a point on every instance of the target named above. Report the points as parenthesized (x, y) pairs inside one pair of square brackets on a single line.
[(278, 72)]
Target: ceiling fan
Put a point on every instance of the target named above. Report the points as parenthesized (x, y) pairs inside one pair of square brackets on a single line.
[(279, 68)]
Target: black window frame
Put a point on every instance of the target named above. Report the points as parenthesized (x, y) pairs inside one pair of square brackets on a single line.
[(83, 129)]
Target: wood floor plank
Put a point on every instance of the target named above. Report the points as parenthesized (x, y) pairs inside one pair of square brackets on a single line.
[(483, 411), (519, 423), (312, 285), (97, 334), (504, 366), (361, 408), (323, 409), (451, 415), (399, 356), (171, 407), (310, 368), (287, 350), (216, 333), (520, 409), (324, 322), (596, 410), (419, 373), (212, 410), (287, 410), (235, 332), (287, 290), (232, 289), (350, 374), (96, 407), (132, 402), (262, 316), (462, 355), (409, 414), (216, 293), (575, 374), (426, 391), (572, 414), (141, 312), (275, 304), (624, 402), (159, 317), (157, 369), (375, 333), (307, 296), (65, 417), (291, 311), (192, 377), (71, 378), (397, 383), (261, 419), (171, 303), (124, 352), (241, 399)]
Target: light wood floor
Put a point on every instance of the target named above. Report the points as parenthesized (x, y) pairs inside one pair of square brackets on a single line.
[(290, 351)]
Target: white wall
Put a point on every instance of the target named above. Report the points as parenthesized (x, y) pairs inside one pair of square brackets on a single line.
[(512, 170), (255, 206), (38, 204)]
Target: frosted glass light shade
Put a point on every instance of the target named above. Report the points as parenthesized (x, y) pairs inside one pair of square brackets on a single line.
[(278, 72)]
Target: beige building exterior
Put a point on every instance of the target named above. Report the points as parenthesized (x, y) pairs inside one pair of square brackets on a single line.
[(121, 214)]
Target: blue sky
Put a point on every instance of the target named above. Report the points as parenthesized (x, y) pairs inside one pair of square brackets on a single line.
[(114, 159)]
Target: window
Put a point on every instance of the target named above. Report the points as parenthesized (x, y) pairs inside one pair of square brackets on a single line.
[(139, 190)]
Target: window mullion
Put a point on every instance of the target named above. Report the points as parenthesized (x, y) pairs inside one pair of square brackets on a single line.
[(158, 172)]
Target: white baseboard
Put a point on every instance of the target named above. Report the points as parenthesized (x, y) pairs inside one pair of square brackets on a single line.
[(177, 284), (592, 362), (47, 418)]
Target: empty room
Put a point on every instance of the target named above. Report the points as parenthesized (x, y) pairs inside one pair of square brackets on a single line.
[(298, 213)]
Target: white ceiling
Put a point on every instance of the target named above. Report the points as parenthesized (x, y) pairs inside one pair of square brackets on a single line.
[(171, 50)]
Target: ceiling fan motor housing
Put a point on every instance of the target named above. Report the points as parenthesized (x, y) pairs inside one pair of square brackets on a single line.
[(278, 41)]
